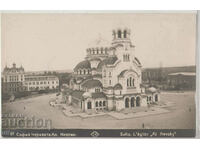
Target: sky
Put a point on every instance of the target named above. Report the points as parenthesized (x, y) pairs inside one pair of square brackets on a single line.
[(58, 41)]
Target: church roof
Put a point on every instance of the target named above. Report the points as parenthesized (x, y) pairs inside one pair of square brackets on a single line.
[(122, 73), (83, 65), (77, 94), (95, 58), (92, 83), (98, 95), (94, 69), (107, 61), (13, 69), (109, 88), (183, 74), (118, 86), (137, 60), (67, 91), (97, 76)]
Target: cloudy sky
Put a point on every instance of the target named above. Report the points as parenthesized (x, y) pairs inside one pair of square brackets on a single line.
[(56, 41)]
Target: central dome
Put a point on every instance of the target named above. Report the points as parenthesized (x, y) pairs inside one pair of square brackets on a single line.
[(83, 65)]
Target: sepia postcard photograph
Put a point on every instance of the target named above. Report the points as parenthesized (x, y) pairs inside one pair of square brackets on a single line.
[(98, 74)]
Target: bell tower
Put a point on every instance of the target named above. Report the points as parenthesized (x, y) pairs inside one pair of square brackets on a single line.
[(121, 36), (122, 44)]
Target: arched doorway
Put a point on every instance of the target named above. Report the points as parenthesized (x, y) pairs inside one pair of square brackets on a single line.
[(156, 98), (89, 105), (133, 102), (138, 101), (127, 103)]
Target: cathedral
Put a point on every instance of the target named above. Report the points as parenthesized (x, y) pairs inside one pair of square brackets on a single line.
[(110, 77)]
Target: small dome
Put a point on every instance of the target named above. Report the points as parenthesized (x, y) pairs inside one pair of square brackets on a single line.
[(83, 65), (118, 86), (107, 61), (92, 84)]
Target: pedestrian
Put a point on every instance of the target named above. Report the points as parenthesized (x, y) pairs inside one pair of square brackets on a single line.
[(143, 125)]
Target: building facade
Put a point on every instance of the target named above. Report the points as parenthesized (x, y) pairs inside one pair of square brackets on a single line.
[(182, 81), (110, 77), (36, 82), (15, 80), (160, 74)]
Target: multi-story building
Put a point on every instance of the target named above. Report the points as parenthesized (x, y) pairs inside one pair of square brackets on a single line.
[(160, 74), (36, 82), (13, 79), (110, 77), (182, 81)]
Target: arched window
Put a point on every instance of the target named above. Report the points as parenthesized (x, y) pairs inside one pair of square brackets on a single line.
[(156, 97), (125, 33), (119, 34), (84, 71), (100, 103), (104, 103), (133, 84), (126, 57), (128, 82), (127, 103), (137, 101), (89, 105), (97, 51), (96, 104), (132, 102), (88, 71)]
